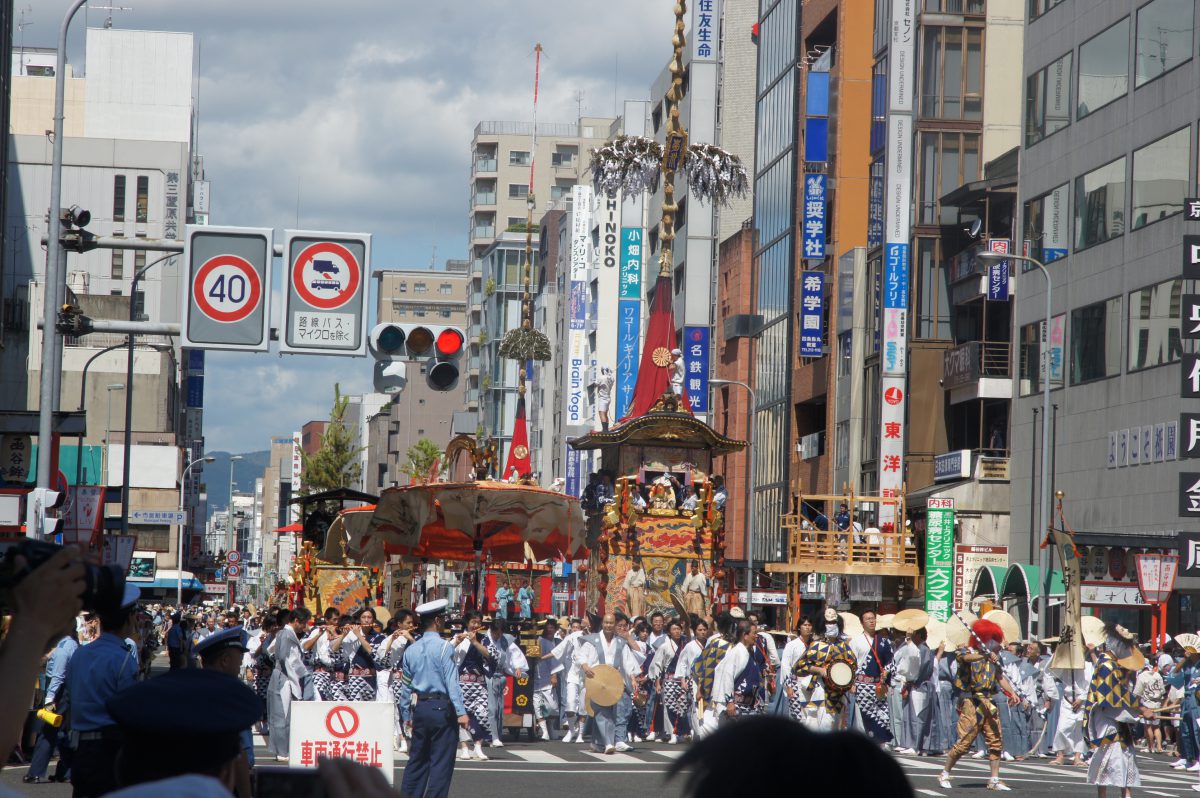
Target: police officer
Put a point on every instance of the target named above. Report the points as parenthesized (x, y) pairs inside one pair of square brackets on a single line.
[(185, 723), (222, 652), (432, 676), (96, 673)]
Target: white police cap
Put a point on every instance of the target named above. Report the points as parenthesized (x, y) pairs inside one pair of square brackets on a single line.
[(436, 607)]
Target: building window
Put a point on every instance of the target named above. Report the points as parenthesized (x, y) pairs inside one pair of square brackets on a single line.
[(955, 6), (1096, 341), (562, 158), (404, 288), (1100, 205), (445, 314), (119, 198), (1159, 182), (1103, 69), (402, 312), (1046, 226), (1164, 37), (419, 312), (118, 265), (1039, 7), (518, 190), (1154, 325), (845, 354), (143, 199), (1048, 101), (445, 288), (515, 222), (951, 72), (932, 293), (558, 192), (139, 260), (420, 288), (518, 158), (1032, 341), (948, 160)]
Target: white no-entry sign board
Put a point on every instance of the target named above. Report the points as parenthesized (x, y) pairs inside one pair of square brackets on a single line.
[(357, 730), (325, 293), (227, 301)]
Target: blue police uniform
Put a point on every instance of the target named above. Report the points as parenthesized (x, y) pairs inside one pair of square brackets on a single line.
[(239, 638), (96, 673), (431, 674), (54, 737)]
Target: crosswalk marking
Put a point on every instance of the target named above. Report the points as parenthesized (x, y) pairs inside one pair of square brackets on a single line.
[(929, 792), (1157, 792), (616, 759), (538, 757)]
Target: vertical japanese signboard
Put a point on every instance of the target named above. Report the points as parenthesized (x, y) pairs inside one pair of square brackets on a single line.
[(577, 362), (325, 293), (939, 557), (814, 216), (997, 274), (695, 363), (812, 313), (897, 230), (629, 317), (1186, 441), (706, 16)]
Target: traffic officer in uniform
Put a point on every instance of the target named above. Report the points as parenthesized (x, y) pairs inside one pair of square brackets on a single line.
[(431, 677), (96, 673), (222, 652)]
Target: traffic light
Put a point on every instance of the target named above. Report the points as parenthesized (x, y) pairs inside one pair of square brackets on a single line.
[(37, 523), (392, 344)]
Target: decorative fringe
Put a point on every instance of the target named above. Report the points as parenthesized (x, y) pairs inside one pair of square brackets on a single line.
[(715, 175), (522, 344), (628, 164)]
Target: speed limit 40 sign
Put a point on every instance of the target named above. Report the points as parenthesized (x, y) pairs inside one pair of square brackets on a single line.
[(226, 301)]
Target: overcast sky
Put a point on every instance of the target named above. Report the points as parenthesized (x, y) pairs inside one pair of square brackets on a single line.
[(357, 116)]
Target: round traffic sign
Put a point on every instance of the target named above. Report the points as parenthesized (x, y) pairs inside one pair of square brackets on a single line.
[(233, 571), (342, 721), (234, 556), (326, 275), (227, 288)]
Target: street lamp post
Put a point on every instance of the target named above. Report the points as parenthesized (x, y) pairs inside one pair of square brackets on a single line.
[(179, 573), (230, 533), (748, 529), (1044, 561)]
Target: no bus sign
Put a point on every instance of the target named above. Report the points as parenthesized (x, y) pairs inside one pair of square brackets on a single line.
[(228, 272), (325, 303)]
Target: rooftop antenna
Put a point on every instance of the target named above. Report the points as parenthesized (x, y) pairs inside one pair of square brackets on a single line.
[(433, 258), (579, 103), (21, 26), (107, 24)]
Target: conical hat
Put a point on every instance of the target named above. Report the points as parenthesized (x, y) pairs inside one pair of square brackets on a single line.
[(911, 620), (957, 634), (1092, 629), (884, 621), (937, 632), (605, 686), (851, 625), (382, 614), (1007, 624)]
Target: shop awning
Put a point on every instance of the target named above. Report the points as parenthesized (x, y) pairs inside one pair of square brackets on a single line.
[(916, 499), (988, 581), (1026, 581)]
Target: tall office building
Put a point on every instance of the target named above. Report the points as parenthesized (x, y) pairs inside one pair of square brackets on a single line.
[(1108, 157)]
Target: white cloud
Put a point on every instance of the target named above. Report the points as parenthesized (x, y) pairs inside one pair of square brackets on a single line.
[(368, 108)]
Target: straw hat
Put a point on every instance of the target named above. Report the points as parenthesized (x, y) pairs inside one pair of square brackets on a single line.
[(605, 687), (911, 620), (382, 614), (958, 634), (1007, 624), (851, 625), (1092, 629), (936, 630), (884, 621)]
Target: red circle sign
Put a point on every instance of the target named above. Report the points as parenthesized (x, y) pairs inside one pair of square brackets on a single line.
[(326, 275), (227, 288), (893, 396), (342, 721), (234, 556), (233, 571)]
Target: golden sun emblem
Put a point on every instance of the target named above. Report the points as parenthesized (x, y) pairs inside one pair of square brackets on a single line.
[(520, 452), (661, 357)]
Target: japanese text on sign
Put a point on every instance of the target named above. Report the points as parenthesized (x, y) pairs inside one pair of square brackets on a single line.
[(814, 216), (311, 327), (358, 730), (704, 30), (629, 323), (812, 313), (939, 558), (695, 363)]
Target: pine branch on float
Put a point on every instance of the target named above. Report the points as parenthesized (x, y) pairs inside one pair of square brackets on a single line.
[(525, 344), (627, 164), (714, 175)]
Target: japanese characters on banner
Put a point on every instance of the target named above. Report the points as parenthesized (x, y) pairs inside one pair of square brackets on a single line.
[(706, 16), (695, 363), (997, 274), (1189, 423), (574, 480), (812, 313), (360, 731), (814, 216), (629, 317), (967, 562), (939, 558), (898, 176), (297, 461), (577, 363), (16, 457)]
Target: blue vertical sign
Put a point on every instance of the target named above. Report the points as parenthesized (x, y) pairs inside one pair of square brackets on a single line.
[(812, 314), (695, 363), (997, 274), (629, 317), (875, 212), (895, 277), (814, 216), (574, 486)]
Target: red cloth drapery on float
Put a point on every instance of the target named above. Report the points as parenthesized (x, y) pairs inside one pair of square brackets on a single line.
[(654, 372)]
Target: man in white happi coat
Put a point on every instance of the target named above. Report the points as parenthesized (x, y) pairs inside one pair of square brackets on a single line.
[(287, 682), (572, 692), (695, 590), (683, 670), (1072, 686), (510, 661), (606, 648)]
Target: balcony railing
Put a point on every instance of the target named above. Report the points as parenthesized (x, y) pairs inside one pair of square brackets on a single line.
[(845, 551), (976, 360), (486, 231), (483, 198), (484, 165)]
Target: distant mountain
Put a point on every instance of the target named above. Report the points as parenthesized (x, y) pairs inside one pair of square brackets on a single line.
[(245, 472)]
